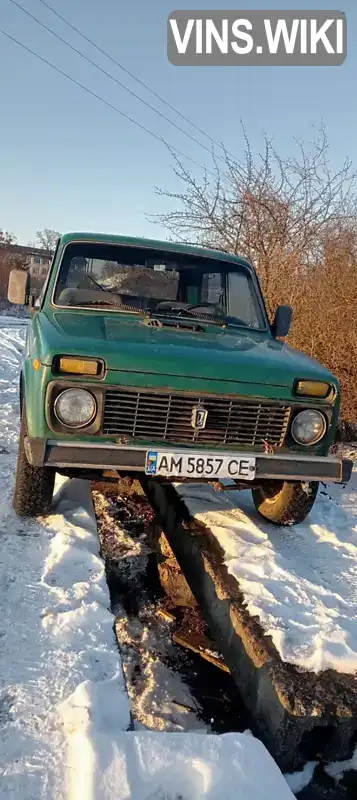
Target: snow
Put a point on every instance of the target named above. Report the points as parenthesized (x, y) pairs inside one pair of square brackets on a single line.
[(64, 713), (159, 698), (58, 650), (299, 780), (300, 581), (337, 768), (175, 766)]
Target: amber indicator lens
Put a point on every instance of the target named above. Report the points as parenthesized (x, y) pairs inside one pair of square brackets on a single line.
[(313, 389), (77, 366)]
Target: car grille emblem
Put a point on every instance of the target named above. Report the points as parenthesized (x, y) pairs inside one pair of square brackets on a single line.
[(199, 418)]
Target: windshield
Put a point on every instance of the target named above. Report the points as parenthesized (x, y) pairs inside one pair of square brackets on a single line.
[(159, 283)]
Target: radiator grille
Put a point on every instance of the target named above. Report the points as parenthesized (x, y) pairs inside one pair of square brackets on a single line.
[(167, 417)]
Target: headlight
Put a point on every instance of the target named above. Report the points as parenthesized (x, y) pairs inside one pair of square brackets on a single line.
[(75, 408), (308, 427)]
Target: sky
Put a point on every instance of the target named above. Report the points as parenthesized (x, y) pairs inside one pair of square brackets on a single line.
[(69, 162)]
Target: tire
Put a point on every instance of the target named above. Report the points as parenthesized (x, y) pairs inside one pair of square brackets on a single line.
[(285, 503), (33, 485)]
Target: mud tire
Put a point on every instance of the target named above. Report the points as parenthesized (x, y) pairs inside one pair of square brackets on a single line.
[(285, 503), (33, 485)]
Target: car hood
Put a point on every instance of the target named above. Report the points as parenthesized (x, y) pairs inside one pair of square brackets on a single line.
[(129, 345)]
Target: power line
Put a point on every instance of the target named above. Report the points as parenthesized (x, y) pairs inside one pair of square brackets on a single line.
[(106, 102), (135, 78), (109, 75)]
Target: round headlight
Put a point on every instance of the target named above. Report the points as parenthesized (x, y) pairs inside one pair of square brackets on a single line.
[(309, 427), (75, 408)]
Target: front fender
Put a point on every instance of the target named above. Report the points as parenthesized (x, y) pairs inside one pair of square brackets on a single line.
[(34, 384), (21, 392)]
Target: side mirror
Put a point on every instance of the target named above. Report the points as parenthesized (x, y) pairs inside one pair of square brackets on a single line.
[(19, 287), (282, 321)]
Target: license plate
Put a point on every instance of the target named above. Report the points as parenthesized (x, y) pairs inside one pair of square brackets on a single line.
[(199, 465)]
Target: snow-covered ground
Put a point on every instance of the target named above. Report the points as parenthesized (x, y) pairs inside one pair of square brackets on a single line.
[(58, 658), (64, 710), (300, 581)]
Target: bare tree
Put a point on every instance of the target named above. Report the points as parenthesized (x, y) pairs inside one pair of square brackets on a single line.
[(295, 219), (47, 238), (271, 209)]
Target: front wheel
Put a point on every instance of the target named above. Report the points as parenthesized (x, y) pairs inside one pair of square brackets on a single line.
[(285, 503), (34, 485)]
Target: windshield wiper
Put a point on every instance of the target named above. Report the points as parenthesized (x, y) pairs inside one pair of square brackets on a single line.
[(184, 325), (181, 313), (175, 313), (110, 304), (189, 310)]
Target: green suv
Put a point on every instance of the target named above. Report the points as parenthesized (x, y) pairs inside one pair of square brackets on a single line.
[(158, 358)]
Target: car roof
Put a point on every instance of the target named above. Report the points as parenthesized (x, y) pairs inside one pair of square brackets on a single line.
[(175, 247)]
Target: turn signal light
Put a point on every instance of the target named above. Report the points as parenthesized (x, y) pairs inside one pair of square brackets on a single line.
[(78, 366), (313, 389)]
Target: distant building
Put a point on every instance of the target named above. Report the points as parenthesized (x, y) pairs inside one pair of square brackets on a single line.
[(37, 259)]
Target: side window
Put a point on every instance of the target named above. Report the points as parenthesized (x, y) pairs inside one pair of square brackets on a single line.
[(242, 301), (211, 289), (40, 299)]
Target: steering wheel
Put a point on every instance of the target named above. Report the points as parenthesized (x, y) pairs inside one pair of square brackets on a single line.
[(215, 308), (171, 304)]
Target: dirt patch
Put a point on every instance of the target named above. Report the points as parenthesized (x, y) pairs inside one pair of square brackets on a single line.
[(170, 687)]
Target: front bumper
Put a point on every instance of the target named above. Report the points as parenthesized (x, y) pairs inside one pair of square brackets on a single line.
[(131, 458)]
